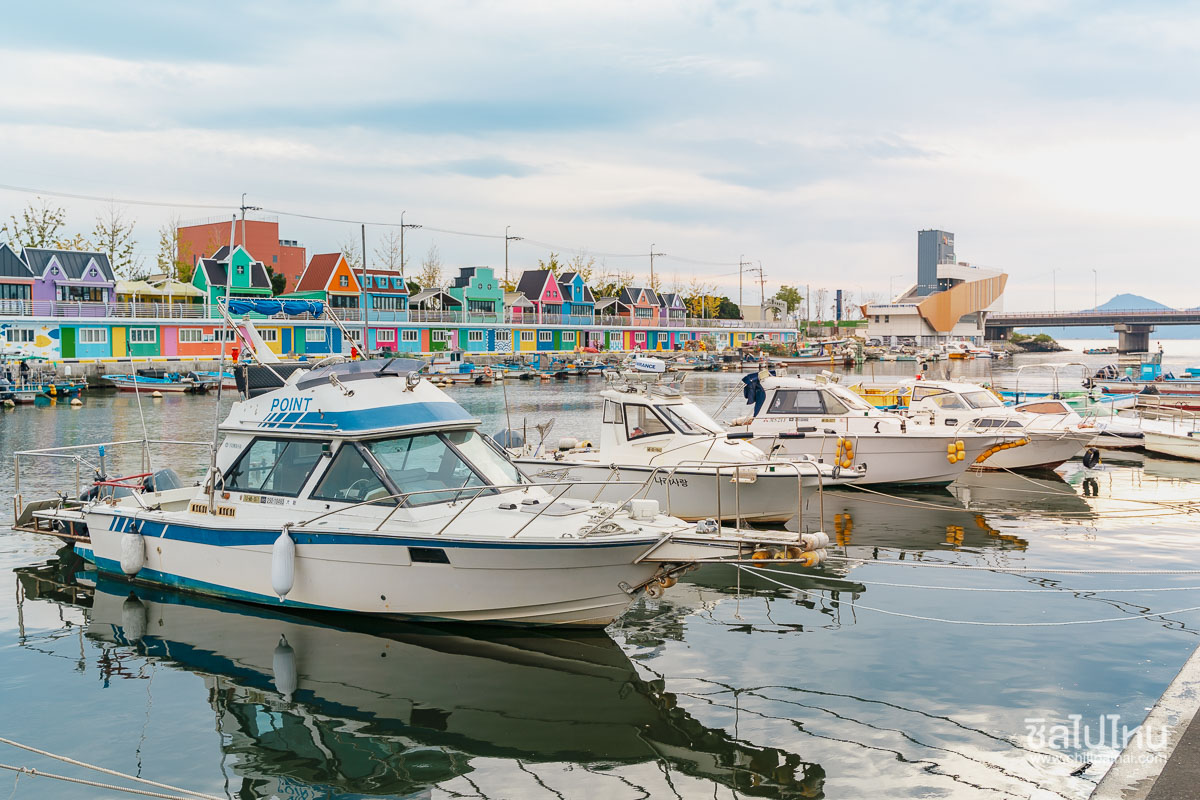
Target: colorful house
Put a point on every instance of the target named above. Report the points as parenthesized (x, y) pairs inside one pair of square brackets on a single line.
[(517, 307), (638, 306), (71, 277), (542, 289), (480, 295), (16, 282), (249, 278), (329, 277), (387, 296), (671, 309), (579, 305)]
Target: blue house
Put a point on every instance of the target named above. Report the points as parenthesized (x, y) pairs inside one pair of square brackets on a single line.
[(579, 305)]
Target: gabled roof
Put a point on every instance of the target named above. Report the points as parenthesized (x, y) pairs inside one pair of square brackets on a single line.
[(651, 296), (317, 274), (12, 265), (670, 300), (533, 283), (588, 297), (605, 302), (631, 296), (516, 300), (464, 277), (425, 295), (214, 270), (391, 275), (73, 262)]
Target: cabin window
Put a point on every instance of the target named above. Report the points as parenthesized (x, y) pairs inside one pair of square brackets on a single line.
[(833, 405), (639, 337), (314, 335), (503, 336), (612, 413), (191, 335), (350, 479), (982, 399), (475, 336), (439, 336), (545, 336), (568, 336), (641, 421), (410, 335), (922, 392), (948, 402), (93, 335), (143, 335), (386, 335), (269, 334), (526, 336), (796, 401), (427, 464), (496, 468), (689, 420), (274, 466)]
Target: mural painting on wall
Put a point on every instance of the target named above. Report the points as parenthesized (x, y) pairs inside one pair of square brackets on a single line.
[(36, 341)]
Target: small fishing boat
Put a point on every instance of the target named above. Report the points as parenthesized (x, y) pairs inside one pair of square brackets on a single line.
[(1100, 351), (799, 416), (152, 380), (652, 433)]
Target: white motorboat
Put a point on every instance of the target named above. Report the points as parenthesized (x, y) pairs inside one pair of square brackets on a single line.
[(1172, 434), (361, 487), (1111, 432), (654, 434), (1050, 439), (799, 416)]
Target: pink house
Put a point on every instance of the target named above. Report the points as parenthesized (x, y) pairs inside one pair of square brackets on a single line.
[(542, 289)]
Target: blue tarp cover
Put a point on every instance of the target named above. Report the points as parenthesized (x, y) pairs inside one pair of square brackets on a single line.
[(273, 306)]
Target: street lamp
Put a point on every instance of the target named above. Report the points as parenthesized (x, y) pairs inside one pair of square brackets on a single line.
[(1054, 288)]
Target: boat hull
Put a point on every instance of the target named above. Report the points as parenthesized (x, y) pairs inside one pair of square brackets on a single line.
[(1043, 451), (578, 583), (690, 494), (1179, 445), (904, 459)]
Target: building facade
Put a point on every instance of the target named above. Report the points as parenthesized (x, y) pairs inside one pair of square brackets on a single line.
[(260, 236)]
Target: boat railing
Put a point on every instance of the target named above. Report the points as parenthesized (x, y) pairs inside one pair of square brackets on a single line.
[(78, 456)]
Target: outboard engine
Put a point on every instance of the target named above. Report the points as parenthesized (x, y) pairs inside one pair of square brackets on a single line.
[(509, 439)]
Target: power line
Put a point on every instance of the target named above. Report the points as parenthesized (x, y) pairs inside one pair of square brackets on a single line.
[(122, 201)]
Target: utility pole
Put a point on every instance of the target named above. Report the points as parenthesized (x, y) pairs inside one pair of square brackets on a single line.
[(245, 208), (508, 239), (1095, 291), (742, 263), (365, 342), (402, 227), (652, 255), (762, 287)]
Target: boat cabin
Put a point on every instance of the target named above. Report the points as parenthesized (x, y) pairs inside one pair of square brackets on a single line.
[(793, 404)]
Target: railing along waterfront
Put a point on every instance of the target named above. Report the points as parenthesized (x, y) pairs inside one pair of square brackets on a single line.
[(204, 312)]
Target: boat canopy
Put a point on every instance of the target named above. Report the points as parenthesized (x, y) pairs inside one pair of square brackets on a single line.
[(269, 306)]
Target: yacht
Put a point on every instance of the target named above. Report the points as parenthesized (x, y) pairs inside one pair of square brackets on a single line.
[(817, 417), (361, 487), (1047, 440), (652, 433)]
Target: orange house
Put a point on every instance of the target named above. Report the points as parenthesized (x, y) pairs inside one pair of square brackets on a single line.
[(329, 277)]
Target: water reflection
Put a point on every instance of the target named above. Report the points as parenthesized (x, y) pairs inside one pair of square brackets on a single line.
[(348, 707)]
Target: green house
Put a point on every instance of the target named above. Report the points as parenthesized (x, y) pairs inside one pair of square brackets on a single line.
[(481, 295), (249, 278)]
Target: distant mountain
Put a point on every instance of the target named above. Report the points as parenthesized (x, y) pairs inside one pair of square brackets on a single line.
[(1122, 302)]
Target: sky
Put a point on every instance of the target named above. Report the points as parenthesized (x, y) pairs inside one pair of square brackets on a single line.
[(1060, 142)]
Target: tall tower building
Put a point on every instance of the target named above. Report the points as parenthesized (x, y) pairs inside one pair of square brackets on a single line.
[(933, 248)]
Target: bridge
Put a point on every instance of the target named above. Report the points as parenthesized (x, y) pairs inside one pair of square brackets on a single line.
[(1133, 326)]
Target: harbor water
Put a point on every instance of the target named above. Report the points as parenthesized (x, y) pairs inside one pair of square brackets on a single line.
[(881, 674)]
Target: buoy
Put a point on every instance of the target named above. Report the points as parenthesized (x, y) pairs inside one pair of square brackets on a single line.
[(819, 540), (10, 403), (133, 553), (157, 395), (667, 581), (76, 402), (655, 590), (760, 555), (283, 665), (811, 558), (283, 564), (133, 618)]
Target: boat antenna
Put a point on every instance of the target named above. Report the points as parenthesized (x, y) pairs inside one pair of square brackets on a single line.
[(212, 462)]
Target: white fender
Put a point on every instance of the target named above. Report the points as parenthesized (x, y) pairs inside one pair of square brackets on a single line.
[(133, 553), (283, 665), (133, 618), (283, 564), (814, 541)]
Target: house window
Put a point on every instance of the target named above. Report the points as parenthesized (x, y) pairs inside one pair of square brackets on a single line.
[(640, 337), (504, 336), (81, 294), (343, 300), (143, 335), (274, 259), (385, 336), (481, 306), (191, 335), (439, 336), (568, 336), (410, 335), (241, 269), (526, 336), (355, 335), (226, 334), (475, 336), (269, 334), (545, 336), (343, 281), (14, 291), (314, 335), (19, 335), (93, 335), (387, 302), (643, 313)]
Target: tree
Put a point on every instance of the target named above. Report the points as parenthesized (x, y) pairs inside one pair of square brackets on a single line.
[(352, 253), (431, 268), (278, 281), (75, 242), (113, 236), (584, 264), (173, 259), (727, 309), (700, 299), (387, 254), (38, 226), (790, 296), (821, 296), (551, 264), (611, 284)]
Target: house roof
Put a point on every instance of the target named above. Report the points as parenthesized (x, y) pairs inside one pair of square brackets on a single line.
[(73, 262), (214, 270), (669, 300), (533, 282), (390, 275), (605, 302), (316, 275), (515, 299), (588, 297), (425, 295), (12, 265)]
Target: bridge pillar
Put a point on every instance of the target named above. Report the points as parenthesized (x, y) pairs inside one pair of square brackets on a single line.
[(996, 334), (1133, 338)]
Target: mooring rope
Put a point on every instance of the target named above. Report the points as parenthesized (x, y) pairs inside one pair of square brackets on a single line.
[(37, 773), (85, 765), (979, 623), (894, 562)]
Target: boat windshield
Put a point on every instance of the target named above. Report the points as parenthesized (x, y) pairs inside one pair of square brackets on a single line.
[(982, 399), (851, 400), (454, 461), (690, 420)]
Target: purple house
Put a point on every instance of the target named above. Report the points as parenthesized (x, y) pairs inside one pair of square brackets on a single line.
[(70, 279)]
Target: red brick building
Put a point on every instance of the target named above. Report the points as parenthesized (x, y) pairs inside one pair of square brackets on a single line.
[(259, 236)]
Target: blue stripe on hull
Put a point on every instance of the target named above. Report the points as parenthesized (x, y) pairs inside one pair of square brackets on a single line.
[(220, 537)]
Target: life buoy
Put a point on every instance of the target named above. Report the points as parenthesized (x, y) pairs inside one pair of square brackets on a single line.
[(487, 371)]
